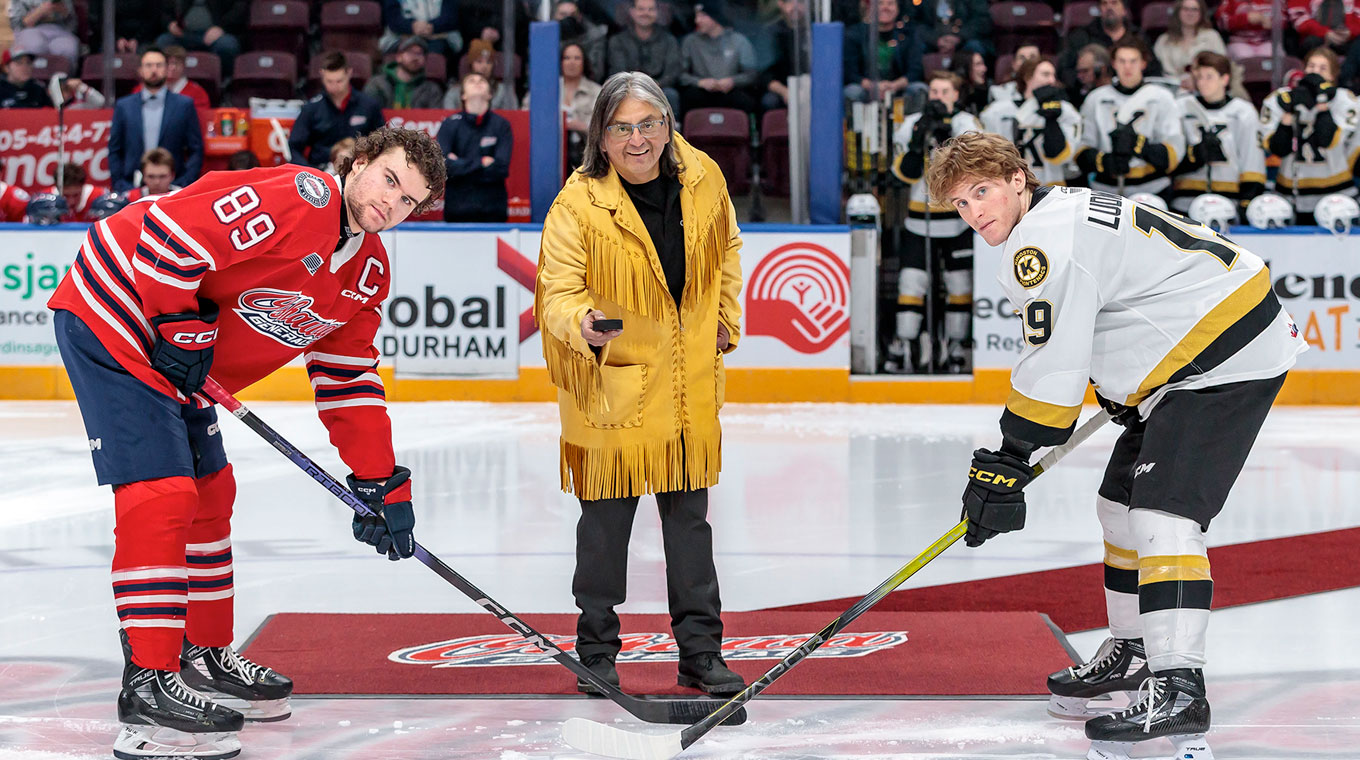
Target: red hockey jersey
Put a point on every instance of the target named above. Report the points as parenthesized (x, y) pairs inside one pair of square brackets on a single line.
[(261, 244)]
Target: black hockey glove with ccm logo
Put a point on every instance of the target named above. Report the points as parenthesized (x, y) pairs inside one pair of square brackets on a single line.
[(183, 351), (390, 531), (994, 501)]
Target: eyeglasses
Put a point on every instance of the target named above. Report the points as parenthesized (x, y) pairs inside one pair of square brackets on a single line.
[(649, 129)]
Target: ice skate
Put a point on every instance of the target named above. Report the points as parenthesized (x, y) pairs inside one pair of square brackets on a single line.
[(1171, 705), (1118, 667), (260, 694), (162, 717), (897, 361)]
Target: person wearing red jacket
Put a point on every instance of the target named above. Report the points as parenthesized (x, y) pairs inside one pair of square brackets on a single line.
[(239, 273), (1334, 23), (1247, 24), (13, 200)]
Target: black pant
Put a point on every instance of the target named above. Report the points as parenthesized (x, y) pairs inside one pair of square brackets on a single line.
[(601, 580)]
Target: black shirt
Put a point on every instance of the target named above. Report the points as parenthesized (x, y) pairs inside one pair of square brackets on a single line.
[(658, 203)]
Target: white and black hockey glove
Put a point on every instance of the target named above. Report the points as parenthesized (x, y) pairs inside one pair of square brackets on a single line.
[(994, 501), (391, 530)]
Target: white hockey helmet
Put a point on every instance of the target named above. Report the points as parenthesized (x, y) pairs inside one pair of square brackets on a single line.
[(1149, 199), (1337, 212), (1270, 211), (1213, 211)]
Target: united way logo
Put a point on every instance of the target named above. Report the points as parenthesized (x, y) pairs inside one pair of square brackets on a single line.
[(285, 316), (313, 189), (800, 294), (495, 650)]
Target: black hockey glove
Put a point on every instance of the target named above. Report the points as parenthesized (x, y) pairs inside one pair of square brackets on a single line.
[(917, 143), (390, 532), (1119, 414), (1210, 148), (1123, 140), (183, 351), (1285, 99), (994, 501), (1050, 99), (1303, 97), (1313, 83), (1114, 165)]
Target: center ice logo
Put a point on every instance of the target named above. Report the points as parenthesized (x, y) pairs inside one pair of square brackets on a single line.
[(285, 316), (800, 294), (510, 649)]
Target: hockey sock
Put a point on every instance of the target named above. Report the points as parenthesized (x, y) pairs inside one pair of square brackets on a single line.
[(1174, 588), (958, 314), (150, 584), (208, 558), (1121, 570), (911, 302)]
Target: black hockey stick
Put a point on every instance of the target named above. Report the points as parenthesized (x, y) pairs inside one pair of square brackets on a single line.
[(599, 739), (677, 711)]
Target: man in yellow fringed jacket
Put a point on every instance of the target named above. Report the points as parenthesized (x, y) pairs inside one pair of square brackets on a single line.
[(644, 232)]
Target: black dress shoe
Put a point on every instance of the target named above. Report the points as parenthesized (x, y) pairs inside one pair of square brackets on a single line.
[(707, 671), (602, 665)]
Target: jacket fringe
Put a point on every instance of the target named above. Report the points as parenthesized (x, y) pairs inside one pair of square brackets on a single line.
[(575, 373), (622, 276), (681, 464), (709, 252)]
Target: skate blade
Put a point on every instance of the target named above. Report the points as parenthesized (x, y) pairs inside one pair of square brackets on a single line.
[(1081, 708), (1188, 747), (142, 742), (262, 711)]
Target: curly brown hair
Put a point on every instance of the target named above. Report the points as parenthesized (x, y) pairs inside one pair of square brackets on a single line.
[(977, 156), (422, 152)]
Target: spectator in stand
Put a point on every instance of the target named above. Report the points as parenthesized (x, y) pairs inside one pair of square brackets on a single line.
[(435, 21), (1247, 23), (948, 26), (337, 112), (484, 60), (154, 117), (402, 83), (648, 48), (78, 94), (158, 175), (790, 41), (136, 23), (175, 59), (1010, 89), (77, 192), (19, 89), (718, 63), (1114, 25), (45, 27), (972, 70), (242, 160), (1093, 71), (576, 29), (1188, 34), (578, 100), (476, 143), (484, 20), (339, 152), (13, 200), (897, 54), (1330, 23), (213, 25)]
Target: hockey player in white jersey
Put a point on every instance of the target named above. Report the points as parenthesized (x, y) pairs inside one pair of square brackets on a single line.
[(1043, 125), (1185, 342), (1131, 129), (1221, 135), (1311, 127), (939, 227)]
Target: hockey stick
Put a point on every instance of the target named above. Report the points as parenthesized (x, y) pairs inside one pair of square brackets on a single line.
[(677, 711), (599, 739)]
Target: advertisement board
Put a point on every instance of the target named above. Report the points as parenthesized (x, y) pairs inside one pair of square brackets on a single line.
[(32, 263)]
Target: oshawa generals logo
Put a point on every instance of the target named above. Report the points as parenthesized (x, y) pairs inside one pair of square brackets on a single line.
[(510, 649), (800, 294), (285, 316)]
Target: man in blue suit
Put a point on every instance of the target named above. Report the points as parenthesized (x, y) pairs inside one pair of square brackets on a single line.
[(155, 117)]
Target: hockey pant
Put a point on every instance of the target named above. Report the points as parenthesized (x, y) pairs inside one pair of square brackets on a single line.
[(172, 570), (953, 263)]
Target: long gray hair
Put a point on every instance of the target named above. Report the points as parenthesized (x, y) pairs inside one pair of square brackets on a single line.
[(616, 89)]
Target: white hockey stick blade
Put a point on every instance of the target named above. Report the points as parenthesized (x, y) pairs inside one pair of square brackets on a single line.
[(599, 739)]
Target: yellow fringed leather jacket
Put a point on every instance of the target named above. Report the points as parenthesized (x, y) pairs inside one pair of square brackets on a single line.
[(642, 416)]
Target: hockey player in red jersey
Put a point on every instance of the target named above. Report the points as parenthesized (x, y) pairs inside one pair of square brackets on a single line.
[(238, 274)]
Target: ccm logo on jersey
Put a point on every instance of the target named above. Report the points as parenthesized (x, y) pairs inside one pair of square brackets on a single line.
[(1031, 267), (1146, 467), (194, 338), (983, 476)]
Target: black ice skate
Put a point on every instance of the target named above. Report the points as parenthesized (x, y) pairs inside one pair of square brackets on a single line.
[(257, 692), (163, 718), (1171, 704), (1119, 666)]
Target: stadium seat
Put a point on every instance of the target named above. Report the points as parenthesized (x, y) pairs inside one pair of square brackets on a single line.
[(1002, 71), (774, 152), (1017, 23), (935, 62), (725, 135), (124, 71), (1079, 13), (1257, 75), (1157, 17), (44, 66), (205, 69), (278, 25), (351, 25), (361, 66), (263, 74)]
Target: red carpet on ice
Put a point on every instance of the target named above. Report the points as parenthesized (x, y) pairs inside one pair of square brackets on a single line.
[(882, 653)]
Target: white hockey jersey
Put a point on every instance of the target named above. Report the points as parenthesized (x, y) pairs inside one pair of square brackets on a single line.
[(1317, 170), (944, 219), (1139, 301), (1153, 112), (1022, 124), (1235, 123)]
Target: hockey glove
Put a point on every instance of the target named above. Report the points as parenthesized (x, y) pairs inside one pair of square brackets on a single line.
[(994, 501), (1050, 99), (1303, 97), (917, 144), (1114, 165), (1120, 414), (183, 351), (1325, 92), (1123, 140), (1210, 148), (390, 530)]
